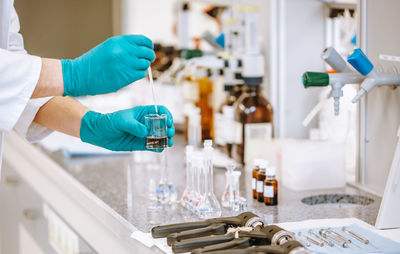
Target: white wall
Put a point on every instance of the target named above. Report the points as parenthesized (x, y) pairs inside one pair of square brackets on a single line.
[(303, 28), (382, 117)]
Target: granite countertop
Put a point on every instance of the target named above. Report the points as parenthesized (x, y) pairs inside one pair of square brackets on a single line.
[(123, 184)]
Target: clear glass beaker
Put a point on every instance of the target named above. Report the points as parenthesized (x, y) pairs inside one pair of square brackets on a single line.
[(157, 131)]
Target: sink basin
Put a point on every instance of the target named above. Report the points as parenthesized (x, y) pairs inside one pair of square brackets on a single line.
[(335, 200)]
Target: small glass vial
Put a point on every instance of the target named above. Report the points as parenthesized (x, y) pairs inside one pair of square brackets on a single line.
[(260, 180), (270, 187), (254, 177)]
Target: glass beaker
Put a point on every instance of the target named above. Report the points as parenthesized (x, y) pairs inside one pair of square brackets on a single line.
[(157, 131)]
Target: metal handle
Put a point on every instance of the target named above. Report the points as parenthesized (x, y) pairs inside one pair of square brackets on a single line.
[(236, 243), (163, 231), (213, 229), (194, 243)]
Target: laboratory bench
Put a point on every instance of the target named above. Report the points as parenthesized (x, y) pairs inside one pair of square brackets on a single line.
[(104, 199)]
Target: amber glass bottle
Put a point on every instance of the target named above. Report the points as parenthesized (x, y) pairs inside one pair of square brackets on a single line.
[(205, 104), (270, 187), (260, 184), (254, 114), (255, 171)]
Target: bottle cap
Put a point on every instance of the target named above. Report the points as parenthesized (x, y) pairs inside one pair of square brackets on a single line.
[(270, 171)]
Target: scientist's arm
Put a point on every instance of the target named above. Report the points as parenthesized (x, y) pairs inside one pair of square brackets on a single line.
[(119, 131), (111, 65)]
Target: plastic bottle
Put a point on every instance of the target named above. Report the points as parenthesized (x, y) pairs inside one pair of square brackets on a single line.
[(270, 187)]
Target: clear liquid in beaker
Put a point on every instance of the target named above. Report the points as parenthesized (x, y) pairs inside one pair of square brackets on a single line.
[(156, 142)]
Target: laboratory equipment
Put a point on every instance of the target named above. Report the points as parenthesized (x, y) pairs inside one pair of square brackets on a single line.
[(335, 80), (356, 236), (329, 243), (194, 128), (231, 195), (209, 205), (254, 114), (246, 219), (307, 239), (340, 236), (163, 189), (152, 88), (269, 235), (329, 235), (335, 60), (270, 187), (312, 165), (363, 65), (362, 240), (254, 177), (187, 195), (225, 125), (291, 247), (205, 86), (156, 131), (264, 164)]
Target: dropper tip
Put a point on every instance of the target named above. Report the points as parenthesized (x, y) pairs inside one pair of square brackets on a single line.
[(358, 96)]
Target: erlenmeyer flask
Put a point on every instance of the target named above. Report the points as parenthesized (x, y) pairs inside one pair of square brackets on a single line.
[(209, 206)]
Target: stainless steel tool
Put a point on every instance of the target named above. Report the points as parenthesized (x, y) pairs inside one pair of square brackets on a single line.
[(339, 235), (329, 235), (329, 243), (356, 236)]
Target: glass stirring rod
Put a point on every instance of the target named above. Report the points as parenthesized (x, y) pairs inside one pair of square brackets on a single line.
[(152, 88)]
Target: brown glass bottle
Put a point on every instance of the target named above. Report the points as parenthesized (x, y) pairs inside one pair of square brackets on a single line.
[(254, 177), (205, 105), (260, 185), (250, 108), (270, 188)]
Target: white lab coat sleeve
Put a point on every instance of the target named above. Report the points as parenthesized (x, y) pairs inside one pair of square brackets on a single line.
[(25, 125), (19, 75)]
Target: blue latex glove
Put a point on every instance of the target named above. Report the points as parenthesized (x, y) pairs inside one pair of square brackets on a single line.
[(109, 66), (123, 130)]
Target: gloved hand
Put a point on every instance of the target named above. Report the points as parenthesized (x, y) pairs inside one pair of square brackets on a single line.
[(123, 130), (109, 66)]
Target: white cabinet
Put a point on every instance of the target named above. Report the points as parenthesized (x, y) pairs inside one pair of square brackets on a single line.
[(23, 221)]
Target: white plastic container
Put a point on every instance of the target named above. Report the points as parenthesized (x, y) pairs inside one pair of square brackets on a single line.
[(310, 165)]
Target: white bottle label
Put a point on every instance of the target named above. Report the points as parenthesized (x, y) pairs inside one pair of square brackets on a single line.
[(253, 183), (258, 131), (268, 191), (260, 185), (257, 139)]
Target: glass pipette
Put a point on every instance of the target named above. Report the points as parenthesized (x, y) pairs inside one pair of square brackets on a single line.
[(152, 88)]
